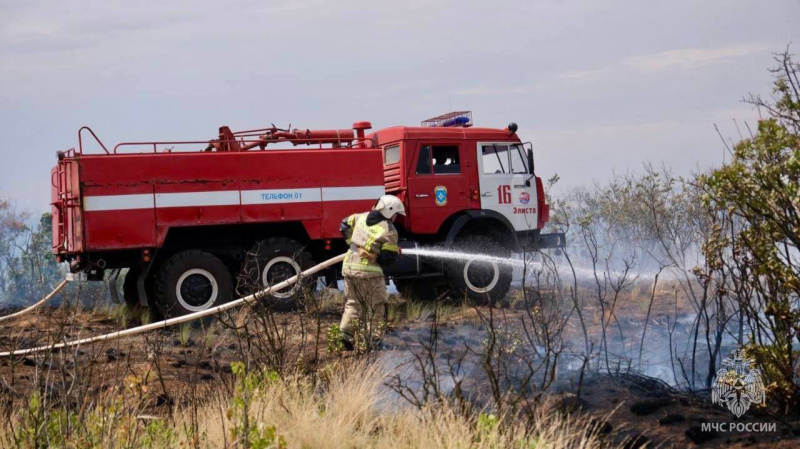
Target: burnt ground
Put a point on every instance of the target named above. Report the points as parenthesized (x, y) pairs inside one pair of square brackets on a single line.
[(176, 365), (629, 406)]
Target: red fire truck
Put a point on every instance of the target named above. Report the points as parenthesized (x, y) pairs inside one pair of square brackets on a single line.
[(184, 217)]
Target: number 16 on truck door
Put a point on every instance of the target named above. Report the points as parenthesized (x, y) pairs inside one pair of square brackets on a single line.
[(504, 194)]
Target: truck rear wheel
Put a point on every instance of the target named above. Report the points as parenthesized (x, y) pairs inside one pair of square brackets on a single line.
[(192, 281), (273, 261), (483, 281)]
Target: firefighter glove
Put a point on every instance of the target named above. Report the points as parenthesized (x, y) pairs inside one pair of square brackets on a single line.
[(364, 254)]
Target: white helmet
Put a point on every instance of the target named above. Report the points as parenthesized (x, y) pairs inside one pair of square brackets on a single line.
[(388, 205)]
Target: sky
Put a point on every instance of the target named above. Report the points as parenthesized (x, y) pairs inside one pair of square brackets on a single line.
[(599, 87)]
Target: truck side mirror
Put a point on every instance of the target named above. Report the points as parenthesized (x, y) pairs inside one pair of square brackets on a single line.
[(529, 153), (530, 159)]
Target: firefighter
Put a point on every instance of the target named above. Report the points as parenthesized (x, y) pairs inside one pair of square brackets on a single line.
[(373, 245)]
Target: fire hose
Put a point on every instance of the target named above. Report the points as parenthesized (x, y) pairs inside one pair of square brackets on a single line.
[(41, 302), (181, 319)]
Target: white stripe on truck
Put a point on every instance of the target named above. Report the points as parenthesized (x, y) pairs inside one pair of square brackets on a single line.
[(187, 199), (352, 193), (118, 202), (280, 196), (229, 198)]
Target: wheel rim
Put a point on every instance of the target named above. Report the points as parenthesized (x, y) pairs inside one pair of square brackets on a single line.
[(196, 290), (277, 270), (481, 277)]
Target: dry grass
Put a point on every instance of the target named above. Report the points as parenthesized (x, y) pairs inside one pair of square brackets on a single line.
[(636, 292), (331, 300), (354, 409), (413, 311), (344, 405)]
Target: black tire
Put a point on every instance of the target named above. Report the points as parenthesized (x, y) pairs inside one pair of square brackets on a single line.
[(272, 261), (191, 281), (421, 289), (130, 291), (483, 282)]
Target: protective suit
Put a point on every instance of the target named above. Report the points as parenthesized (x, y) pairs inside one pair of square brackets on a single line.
[(373, 244)]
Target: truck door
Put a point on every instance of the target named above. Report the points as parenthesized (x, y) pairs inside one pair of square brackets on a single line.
[(437, 187), (504, 178)]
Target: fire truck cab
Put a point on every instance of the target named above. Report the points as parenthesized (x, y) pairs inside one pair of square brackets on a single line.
[(446, 174), (465, 188)]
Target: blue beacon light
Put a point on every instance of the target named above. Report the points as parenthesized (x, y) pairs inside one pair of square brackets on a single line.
[(455, 121)]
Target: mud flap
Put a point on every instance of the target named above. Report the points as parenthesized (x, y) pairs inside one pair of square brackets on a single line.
[(111, 283)]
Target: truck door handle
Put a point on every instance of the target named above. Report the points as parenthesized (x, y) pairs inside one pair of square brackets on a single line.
[(486, 194), (422, 195)]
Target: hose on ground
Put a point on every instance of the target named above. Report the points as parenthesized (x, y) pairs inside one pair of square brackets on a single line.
[(181, 319), (41, 302)]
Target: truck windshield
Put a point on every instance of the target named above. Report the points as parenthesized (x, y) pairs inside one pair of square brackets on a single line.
[(518, 164)]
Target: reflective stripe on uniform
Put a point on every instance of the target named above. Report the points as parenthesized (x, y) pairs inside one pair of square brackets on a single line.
[(389, 247), (363, 267), (375, 232), (362, 223), (370, 241)]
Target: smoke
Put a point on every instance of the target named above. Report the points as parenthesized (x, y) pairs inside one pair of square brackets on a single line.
[(614, 289)]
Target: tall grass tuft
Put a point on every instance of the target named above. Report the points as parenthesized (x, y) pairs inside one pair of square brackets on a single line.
[(185, 334)]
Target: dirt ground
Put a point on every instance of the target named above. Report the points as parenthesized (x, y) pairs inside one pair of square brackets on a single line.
[(183, 363)]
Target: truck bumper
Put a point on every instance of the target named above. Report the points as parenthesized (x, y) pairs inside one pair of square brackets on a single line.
[(534, 240), (552, 240)]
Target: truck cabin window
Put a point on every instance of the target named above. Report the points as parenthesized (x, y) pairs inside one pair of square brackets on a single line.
[(446, 160), (442, 160), (518, 160), (495, 159), (391, 155)]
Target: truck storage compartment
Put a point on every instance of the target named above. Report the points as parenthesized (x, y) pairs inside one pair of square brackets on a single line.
[(65, 203)]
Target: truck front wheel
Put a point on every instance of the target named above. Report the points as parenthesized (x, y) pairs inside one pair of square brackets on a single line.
[(192, 281), (483, 280)]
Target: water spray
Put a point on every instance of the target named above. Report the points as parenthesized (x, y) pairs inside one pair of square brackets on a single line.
[(517, 263), (458, 255)]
